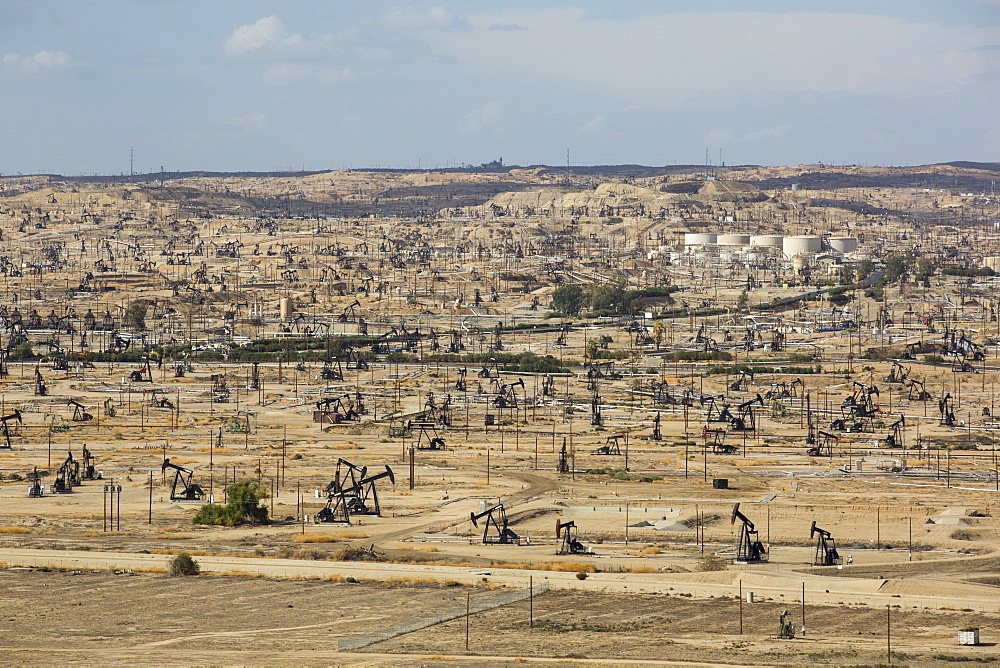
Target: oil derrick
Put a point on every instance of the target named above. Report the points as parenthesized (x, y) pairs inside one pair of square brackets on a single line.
[(749, 549), (497, 343), (4, 420), (35, 488), (548, 385), (743, 381), (898, 373), (427, 436), (823, 445), (858, 410), (563, 466), (63, 482), (569, 544), (745, 419), (460, 385), (347, 315), (88, 470), (716, 438), (79, 414), (506, 396), (144, 374), (947, 414), (918, 385), (220, 392), (158, 399), (894, 439), (786, 630), (332, 370), (611, 446), (490, 370), (183, 489), (41, 389), (352, 492), (596, 419), (495, 529), (826, 548), (656, 435)]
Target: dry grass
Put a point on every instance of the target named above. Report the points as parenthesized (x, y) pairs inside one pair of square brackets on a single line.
[(415, 581), (642, 569), (649, 551), (15, 530), (328, 537), (315, 538)]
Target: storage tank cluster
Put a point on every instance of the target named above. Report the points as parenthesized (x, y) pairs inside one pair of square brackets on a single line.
[(729, 245)]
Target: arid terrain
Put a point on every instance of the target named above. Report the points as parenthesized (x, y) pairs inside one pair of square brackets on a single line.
[(530, 346)]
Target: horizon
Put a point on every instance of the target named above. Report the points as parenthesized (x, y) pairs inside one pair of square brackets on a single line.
[(482, 167), (112, 87)]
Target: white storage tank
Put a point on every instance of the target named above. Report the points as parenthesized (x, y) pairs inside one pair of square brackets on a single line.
[(285, 308), (843, 244), (803, 245), (699, 238), (767, 240), (733, 240)]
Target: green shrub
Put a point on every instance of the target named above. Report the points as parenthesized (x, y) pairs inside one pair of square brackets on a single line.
[(22, 351), (183, 564), (243, 507)]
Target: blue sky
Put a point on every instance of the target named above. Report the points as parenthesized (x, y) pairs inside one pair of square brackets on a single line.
[(252, 85)]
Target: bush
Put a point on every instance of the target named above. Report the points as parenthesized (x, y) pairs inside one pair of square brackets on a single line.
[(22, 351), (243, 507), (183, 564)]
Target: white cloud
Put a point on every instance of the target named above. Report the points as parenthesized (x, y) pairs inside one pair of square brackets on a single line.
[(651, 55), (594, 124), (291, 73), (506, 26), (40, 63), (248, 123), (767, 134), (488, 115), (266, 34), (435, 18)]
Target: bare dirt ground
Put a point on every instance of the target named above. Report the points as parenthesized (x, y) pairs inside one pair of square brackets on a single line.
[(85, 617)]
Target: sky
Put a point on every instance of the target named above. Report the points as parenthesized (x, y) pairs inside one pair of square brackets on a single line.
[(105, 86)]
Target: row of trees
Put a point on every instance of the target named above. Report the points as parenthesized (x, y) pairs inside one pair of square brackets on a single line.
[(605, 299)]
